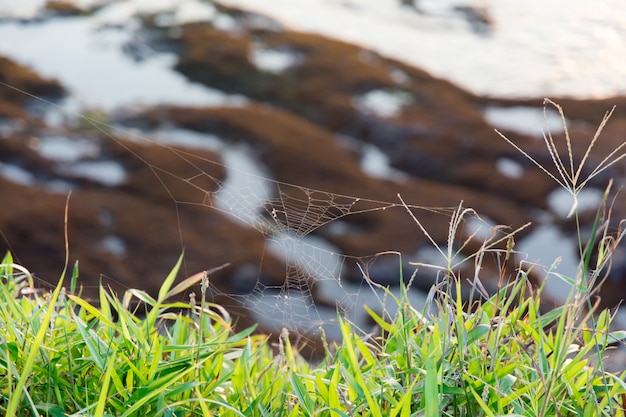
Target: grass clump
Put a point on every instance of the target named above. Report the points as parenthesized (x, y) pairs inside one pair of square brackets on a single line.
[(503, 355), (65, 356)]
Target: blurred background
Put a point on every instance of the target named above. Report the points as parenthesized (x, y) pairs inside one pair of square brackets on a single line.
[(276, 137)]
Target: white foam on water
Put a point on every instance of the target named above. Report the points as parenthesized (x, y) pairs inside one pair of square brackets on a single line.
[(114, 245), (376, 163), (534, 48), (90, 61), (273, 60), (525, 120), (109, 173), (560, 201), (63, 149), (509, 168), (383, 103), (16, 174), (547, 246), (482, 228)]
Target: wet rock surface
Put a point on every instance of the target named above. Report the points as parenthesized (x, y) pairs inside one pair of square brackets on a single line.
[(314, 107)]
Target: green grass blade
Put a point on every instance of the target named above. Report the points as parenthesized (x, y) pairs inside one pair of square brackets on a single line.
[(102, 399), (403, 407), (33, 350), (303, 395), (431, 389), (169, 281)]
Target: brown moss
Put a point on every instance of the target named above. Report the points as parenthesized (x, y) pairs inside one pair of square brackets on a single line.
[(441, 136), (334, 66), (19, 150), (167, 173), (19, 77), (217, 58), (63, 8), (320, 87), (530, 190), (441, 139), (154, 236), (298, 152), (155, 218)]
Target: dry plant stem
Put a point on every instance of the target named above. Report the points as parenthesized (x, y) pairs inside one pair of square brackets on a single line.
[(450, 253), (570, 177)]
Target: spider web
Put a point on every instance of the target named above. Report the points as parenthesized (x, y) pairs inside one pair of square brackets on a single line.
[(313, 291)]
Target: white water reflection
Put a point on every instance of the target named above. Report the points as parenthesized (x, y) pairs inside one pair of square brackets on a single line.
[(108, 173), (184, 11), (76, 157), (168, 12), (314, 255), (560, 201), (376, 163), (63, 149), (525, 120), (535, 48), (547, 246), (244, 194), (383, 103), (273, 60), (247, 186), (273, 310), (481, 228), (88, 59), (114, 245), (185, 138), (16, 174), (92, 64), (509, 168)]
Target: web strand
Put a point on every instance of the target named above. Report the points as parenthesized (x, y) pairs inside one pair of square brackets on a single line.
[(292, 219)]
